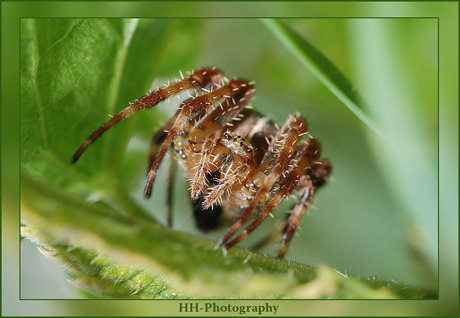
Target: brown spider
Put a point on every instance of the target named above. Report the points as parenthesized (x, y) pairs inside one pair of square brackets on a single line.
[(239, 164)]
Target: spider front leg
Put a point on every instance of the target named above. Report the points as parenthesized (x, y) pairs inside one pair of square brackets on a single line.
[(207, 164), (197, 79)]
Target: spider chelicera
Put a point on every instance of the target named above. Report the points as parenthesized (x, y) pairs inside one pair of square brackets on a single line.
[(239, 164)]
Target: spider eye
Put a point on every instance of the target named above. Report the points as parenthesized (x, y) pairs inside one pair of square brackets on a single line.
[(227, 135)]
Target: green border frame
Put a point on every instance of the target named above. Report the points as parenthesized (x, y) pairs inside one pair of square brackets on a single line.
[(447, 304)]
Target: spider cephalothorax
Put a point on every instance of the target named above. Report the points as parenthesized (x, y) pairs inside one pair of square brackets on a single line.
[(239, 164)]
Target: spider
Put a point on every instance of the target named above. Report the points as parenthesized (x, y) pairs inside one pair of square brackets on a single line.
[(239, 164)]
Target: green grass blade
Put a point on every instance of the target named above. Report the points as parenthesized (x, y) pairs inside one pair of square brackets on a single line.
[(322, 68)]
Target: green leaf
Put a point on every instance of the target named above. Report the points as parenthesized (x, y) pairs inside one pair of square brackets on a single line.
[(96, 274), (323, 69), (123, 256), (75, 73)]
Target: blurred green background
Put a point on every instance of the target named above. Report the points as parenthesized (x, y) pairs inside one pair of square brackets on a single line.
[(379, 214)]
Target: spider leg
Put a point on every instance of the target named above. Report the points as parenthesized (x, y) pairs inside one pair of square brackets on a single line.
[(170, 190), (286, 189), (278, 230), (200, 78), (295, 217), (228, 180), (206, 101), (158, 138), (278, 157), (198, 180), (309, 183)]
